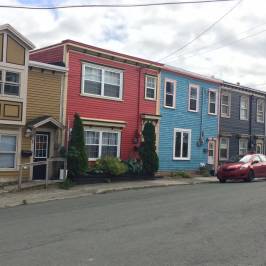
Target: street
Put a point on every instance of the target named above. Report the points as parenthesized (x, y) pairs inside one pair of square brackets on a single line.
[(207, 224)]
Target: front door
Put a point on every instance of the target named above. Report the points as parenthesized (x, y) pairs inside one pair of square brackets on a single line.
[(41, 153), (211, 152)]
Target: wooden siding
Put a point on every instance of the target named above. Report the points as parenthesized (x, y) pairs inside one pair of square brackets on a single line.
[(44, 91), (15, 53), (49, 55), (180, 117)]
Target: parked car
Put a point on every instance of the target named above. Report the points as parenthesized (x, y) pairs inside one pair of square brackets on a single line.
[(249, 167)]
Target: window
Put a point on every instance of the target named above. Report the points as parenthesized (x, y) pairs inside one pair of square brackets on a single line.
[(243, 146), (102, 82), (224, 148), (212, 102), (182, 144), (225, 104), (9, 83), (260, 111), (102, 143), (259, 146), (150, 88), (8, 150), (193, 98), (169, 93), (244, 107)]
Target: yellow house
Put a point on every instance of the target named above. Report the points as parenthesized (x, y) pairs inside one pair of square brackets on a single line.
[(31, 108)]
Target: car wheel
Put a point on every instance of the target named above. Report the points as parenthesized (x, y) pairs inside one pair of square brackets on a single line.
[(250, 177), (222, 180)]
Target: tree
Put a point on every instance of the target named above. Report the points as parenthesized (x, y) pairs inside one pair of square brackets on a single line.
[(148, 153), (77, 158)]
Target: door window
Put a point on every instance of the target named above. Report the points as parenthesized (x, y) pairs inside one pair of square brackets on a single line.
[(41, 146)]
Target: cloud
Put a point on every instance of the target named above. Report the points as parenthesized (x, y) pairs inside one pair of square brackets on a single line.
[(154, 32)]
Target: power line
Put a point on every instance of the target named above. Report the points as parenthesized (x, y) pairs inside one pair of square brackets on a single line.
[(192, 53), (202, 33), (113, 5)]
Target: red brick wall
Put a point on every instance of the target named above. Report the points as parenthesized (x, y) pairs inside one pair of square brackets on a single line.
[(48, 55), (126, 110)]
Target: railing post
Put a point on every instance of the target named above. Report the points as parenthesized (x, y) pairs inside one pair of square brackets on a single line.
[(46, 174), (20, 177)]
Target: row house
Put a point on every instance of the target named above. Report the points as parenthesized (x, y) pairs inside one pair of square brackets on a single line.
[(189, 125), (31, 115), (242, 121), (113, 93)]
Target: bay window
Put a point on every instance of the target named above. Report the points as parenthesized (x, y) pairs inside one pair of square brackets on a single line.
[(102, 81), (102, 143), (8, 150), (182, 144)]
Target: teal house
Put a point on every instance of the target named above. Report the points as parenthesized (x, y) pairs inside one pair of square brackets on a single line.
[(189, 129)]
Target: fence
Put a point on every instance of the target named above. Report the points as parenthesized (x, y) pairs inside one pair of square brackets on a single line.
[(47, 164)]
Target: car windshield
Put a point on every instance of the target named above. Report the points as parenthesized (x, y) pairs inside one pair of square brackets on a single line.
[(246, 159)]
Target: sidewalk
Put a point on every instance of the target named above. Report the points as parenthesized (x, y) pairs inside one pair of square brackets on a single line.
[(36, 194)]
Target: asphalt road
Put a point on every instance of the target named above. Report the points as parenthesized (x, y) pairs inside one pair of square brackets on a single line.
[(208, 224)]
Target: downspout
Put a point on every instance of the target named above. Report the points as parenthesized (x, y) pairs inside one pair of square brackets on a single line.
[(138, 110), (250, 123)]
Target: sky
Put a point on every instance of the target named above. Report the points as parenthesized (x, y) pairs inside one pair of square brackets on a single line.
[(155, 32)]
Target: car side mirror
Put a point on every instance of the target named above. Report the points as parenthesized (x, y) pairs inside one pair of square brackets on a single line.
[(255, 162)]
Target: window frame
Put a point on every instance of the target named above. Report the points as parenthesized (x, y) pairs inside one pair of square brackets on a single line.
[(3, 82), (263, 112), (16, 135), (182, 131), (146, 87), (197, 87), (260, 142), (174, 93), (241, 117), (239, 148), (103, 69), (228, 146), (101, 131), (226, 93), (209, 101)]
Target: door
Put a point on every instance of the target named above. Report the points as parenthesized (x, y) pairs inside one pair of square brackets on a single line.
[(211, 152), (41, 153)]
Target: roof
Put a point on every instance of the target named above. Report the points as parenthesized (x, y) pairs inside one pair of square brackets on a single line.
[(102, 51), (243, 88), (47, 66), (9, 28), (42, 120), (191, 74)]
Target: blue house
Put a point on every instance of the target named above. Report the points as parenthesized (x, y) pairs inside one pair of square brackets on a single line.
[(189, 108)]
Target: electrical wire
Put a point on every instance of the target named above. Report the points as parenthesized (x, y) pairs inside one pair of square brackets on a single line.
[(112, 5), (201, 33)]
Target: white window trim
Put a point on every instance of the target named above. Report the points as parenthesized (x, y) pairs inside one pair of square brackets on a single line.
[(101, 131), (227, 143), (242, 139), (229, 104), (3, 81), (260, 142), (155, 89), (263, 112), (241, 118), (197, 103), (103, 68), (174, 93), (182, 130), (209, 101), (15, 134)]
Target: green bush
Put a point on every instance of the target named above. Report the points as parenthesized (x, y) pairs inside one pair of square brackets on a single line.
[(66, 184), (204, 171), (147, 150), (110, 166), (134, 167), (181, 174)]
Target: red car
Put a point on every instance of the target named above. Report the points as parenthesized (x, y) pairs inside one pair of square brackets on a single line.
[(249, 167)]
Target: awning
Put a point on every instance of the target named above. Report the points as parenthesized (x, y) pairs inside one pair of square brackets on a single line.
[(44, 120)]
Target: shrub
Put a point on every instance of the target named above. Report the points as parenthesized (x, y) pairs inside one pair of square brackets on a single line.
[(181, 174), (204, 171), (134, 167), (76, 157), (111, 166), (66, 184), (147, 151)]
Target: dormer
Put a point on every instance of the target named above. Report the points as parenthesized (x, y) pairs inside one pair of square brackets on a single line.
[(14, 60)]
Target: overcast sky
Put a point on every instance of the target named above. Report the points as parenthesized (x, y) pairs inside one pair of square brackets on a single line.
[(154, 32)]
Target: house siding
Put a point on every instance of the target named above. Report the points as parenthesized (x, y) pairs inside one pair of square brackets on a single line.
[(180, 117), (49, 55)]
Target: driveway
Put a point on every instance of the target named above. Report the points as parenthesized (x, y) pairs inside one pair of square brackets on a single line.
[(205, 224)]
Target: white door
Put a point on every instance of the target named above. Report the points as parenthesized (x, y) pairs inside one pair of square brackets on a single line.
[(211, 151)]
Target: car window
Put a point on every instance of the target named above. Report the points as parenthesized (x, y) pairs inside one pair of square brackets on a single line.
[(246, 159), (262, 157), (256, 158)]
